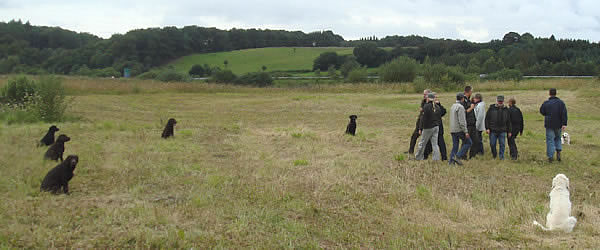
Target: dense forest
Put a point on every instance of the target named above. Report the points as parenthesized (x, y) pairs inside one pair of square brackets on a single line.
[(529, 55), (25, 48)]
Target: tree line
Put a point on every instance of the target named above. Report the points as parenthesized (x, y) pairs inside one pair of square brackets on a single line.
[(25, 48), (523, 54)]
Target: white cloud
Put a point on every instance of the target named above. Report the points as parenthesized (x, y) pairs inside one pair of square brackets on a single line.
[(475, 20)]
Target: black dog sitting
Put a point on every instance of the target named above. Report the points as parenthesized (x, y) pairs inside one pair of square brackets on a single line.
[(57, 149), (57, 179), (168, 132), (351, 129), (49, 137)]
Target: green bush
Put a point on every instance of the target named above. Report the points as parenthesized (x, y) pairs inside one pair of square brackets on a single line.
[(419, 85), (106, 72), (170, 75), (358, 75), (435, 73), (198, 70), (456, 76), (449, 78), (402, 69), (224, 76), (348, 66), (49, 102), (17, 90), (260, 79), (506, 75), (148, 75), (332, 73)]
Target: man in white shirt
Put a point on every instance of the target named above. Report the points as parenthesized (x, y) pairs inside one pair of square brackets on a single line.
[(480, 115)]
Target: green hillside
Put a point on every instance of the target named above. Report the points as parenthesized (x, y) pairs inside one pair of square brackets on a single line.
[(252, 60)]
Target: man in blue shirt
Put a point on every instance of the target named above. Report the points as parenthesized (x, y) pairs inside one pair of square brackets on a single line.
[(555, 112)]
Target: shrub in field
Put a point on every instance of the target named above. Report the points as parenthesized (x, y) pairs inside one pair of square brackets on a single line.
[(439, 75), (106, 72), (436, 73), (419, 85), (224, 76), (17, 90), (83, 70), (348, 66), (332, 73), (170, 75), (49, 101), (506, 75), (198, 70), (358, 75), (402, 69), (148, 75), (456, 76), (325, 60), (260, 79)]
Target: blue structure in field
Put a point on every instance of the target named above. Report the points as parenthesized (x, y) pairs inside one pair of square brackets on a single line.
[(126, 72)]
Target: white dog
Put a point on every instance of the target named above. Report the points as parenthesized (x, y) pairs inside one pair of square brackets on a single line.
[(559, 217), (565, 138)]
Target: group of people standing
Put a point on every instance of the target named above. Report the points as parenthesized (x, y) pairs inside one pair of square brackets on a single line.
[(469, 120)]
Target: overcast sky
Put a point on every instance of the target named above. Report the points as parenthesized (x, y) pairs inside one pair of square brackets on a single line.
[(461, 19)]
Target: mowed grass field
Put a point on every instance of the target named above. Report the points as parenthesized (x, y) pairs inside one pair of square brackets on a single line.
[(252, 60), (271, 168)]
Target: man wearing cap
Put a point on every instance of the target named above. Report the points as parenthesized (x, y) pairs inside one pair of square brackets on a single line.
[(554, 111), (458, 130), (441, 143), (415, 134), (498, 125), (430, 121)]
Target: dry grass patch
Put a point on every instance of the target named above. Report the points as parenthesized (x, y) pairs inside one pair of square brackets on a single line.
[(272, 168)]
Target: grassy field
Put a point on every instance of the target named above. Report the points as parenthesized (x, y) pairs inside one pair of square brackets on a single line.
[(252, 60), (271, 168)]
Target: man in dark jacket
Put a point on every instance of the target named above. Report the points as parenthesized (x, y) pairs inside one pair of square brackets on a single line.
[(471, 121), (441, 142), (497, 124), (555, 112), (429, 128), (415, 134), (516, 121)]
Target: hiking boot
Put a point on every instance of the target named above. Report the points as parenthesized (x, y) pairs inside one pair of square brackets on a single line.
[(558, 155), (550, 160)]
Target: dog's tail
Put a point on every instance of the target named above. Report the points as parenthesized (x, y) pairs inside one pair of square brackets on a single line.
[(535, 223)]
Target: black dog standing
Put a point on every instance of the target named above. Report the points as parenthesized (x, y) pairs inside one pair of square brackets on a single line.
[(168, 132), (49, 137), (351, 129), (57, 179), (57, 149)]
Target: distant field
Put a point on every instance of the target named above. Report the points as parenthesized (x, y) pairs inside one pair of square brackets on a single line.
[(252, 60)]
